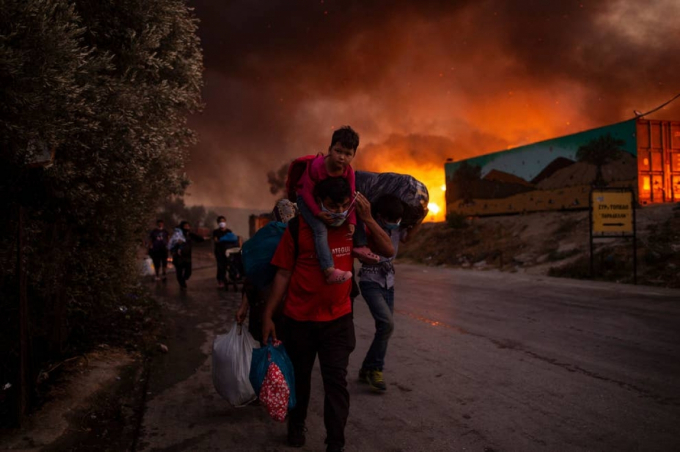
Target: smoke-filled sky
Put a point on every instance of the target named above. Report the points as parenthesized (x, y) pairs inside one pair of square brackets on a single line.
[(421, 81)]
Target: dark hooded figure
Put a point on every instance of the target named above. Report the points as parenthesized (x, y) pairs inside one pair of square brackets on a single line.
[(180, 245)]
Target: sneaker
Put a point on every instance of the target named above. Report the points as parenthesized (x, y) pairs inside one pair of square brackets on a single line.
[(296, 434), (365, 255), (375, 380), (338, 277), (158, 278)]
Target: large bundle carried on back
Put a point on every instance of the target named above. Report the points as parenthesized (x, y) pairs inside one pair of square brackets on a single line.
[(411, 191)]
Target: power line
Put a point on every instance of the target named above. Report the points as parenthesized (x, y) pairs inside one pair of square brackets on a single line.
[(639, 115)]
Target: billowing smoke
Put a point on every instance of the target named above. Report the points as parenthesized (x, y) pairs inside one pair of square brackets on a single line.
[(420, 81)]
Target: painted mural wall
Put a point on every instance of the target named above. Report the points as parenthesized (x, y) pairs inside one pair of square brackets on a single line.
[(548, 175)]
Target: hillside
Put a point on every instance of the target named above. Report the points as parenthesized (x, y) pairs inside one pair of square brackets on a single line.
[(555, 244)]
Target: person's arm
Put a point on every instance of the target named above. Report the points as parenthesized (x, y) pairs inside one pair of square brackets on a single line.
[(411, 232), (243, 309), (380, 241), (279, 288)]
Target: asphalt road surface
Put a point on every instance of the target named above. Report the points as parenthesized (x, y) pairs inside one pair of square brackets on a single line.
[(479, 361)]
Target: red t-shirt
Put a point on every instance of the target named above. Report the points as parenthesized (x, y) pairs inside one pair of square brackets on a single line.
[(309, 297)]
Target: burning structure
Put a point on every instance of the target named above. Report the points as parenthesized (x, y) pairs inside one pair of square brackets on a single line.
[(558, 174)]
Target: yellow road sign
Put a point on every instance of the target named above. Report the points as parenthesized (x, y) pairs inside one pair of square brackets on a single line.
[(612, 213)]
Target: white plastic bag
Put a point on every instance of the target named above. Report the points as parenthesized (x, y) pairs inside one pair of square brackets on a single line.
[(232, 353), (147, 267)]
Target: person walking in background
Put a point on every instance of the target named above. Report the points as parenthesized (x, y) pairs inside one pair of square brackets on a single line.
[(257, 287), (158, 251), (376, 281), (223, 239), (180, 246)]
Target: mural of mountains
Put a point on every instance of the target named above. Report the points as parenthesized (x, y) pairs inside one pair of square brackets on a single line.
[(554, 166), (582, 173), (501, 176)]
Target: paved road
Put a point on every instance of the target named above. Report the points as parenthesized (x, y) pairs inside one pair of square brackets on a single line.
[(480, 361)]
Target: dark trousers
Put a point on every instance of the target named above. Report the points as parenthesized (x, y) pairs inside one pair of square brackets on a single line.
[(183, 272), (222, 262), (160, 260), (333, 341)]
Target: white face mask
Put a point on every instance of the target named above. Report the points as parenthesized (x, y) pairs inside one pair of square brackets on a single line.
[(338, 217), (222, 225)]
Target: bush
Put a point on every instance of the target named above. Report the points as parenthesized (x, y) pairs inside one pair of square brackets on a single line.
[(108, 84)]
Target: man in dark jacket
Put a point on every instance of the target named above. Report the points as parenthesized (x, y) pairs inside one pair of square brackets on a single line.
[(180, 245), (223, 239), (158, 251)]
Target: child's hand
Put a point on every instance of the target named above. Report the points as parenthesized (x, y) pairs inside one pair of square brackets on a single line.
[(351, 230), (363, 207), (326, 217)]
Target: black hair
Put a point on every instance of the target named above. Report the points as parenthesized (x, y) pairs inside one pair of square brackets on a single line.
[(389, 207), (221, 218), (160, 220), (347, 137), (336, 188), (183, 223)]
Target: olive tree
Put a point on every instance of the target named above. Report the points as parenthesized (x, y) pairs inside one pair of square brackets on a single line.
[(108, 85)]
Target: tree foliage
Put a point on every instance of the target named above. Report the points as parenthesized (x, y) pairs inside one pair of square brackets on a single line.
[(277, 179), (173, 210), (599, 152), (108, 84)]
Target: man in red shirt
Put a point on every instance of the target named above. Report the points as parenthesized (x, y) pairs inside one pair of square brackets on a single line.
[(318, 316)]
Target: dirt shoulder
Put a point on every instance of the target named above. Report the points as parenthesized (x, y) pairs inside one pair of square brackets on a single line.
[(555, 244), (92, 402)]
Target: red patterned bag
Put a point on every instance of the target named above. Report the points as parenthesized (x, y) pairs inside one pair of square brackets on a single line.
[(274, 393), (272, 377)]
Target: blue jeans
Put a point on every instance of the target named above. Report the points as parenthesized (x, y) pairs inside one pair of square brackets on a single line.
[(381, 303), (323, 251)]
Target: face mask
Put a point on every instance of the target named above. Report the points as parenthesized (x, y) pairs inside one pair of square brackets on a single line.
[(338, 217), (222, 225)]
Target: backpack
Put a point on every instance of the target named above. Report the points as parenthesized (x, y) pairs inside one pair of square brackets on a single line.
[(295, 171), (258, 252)]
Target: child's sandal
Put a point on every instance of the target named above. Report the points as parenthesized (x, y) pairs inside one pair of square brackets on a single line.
[(366, 255)]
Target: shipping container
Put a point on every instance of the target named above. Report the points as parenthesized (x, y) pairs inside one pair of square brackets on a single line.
[(558, 174), (256, 222)]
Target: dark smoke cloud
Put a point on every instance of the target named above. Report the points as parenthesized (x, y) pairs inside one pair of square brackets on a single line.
[(421, 81)]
